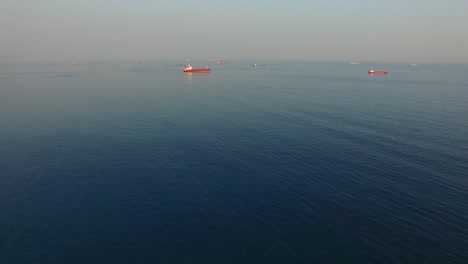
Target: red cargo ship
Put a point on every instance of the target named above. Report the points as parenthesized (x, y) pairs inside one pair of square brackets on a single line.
[(189, 68), (377, 72)]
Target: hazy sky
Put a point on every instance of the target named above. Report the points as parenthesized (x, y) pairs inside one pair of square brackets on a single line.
[(344, 30)]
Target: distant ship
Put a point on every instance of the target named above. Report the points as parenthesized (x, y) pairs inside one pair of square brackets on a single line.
[(354, 62), (371, 71), (219, 62), (413, 64), (258, 65), (188, 68)]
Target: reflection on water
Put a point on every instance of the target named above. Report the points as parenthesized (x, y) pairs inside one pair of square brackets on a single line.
[(188, 78)]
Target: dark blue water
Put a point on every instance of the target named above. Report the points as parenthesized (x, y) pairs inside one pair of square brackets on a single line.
[(294, 162)]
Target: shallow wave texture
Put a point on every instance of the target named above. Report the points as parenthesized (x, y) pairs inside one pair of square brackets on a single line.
[(293, 162)]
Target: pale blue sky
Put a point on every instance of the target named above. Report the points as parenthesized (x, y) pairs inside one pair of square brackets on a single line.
[(345, 30)]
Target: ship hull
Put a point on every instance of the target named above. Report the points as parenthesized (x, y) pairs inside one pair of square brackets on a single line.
[(377, 72), (201, 70)]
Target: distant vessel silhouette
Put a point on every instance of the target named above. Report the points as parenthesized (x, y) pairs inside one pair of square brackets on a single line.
[(371, 71)]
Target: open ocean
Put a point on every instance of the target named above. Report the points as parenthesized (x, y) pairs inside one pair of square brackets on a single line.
[(295, 162)]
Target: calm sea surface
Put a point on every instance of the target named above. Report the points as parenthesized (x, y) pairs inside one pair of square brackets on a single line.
[(295, 162)]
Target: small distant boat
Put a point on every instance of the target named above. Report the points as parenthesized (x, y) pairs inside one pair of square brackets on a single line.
[(220, 62), (258, 65), (354, 62), (413, 64), (189, 68), (74, 63), (371, 71), (139, 62)]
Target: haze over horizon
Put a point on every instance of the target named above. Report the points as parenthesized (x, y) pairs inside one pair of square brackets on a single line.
[(396, 31)]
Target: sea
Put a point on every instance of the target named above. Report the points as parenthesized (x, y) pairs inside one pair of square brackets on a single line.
[(291, 162)]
